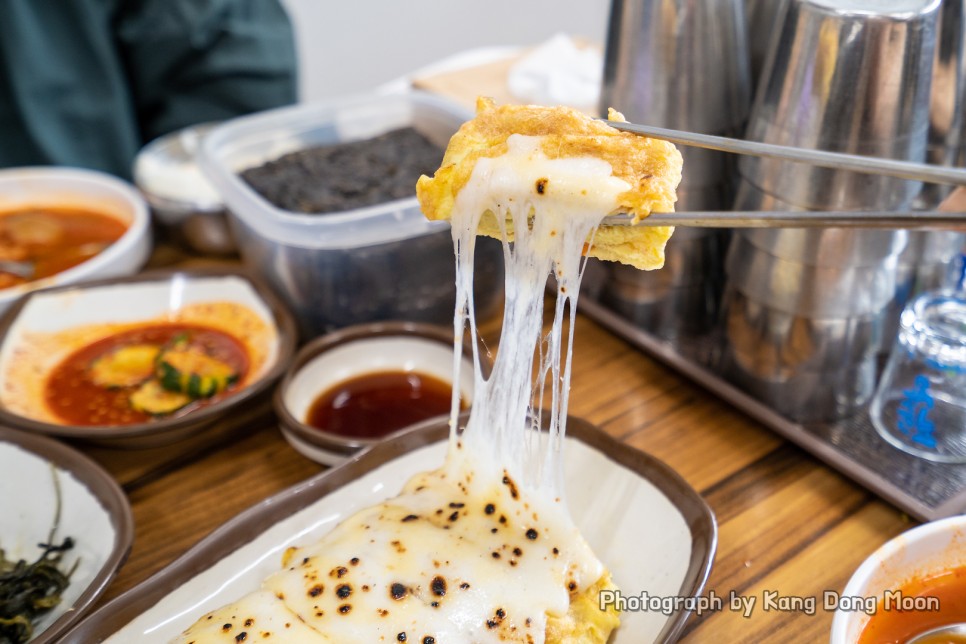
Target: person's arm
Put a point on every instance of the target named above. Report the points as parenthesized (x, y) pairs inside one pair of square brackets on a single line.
[(191, 61)]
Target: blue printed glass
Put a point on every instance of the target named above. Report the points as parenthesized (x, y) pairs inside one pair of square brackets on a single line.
[(920, 404)]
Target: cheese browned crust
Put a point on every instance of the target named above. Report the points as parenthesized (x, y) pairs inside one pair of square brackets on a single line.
[(650, 167)]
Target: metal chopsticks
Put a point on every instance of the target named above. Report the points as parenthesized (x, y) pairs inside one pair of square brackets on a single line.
[(858, 163), (923, 220), (913, 220)]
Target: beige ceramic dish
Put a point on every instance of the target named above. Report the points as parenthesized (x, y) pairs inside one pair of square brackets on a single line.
[(94, 512), (48, 325), (355, 351), (651, 529)]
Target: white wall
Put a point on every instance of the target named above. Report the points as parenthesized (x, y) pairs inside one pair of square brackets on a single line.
[(354, 45)]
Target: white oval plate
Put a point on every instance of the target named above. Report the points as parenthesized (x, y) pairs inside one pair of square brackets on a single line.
[(652, 531)]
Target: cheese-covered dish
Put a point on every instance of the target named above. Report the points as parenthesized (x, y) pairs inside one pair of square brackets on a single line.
[(484, 550)]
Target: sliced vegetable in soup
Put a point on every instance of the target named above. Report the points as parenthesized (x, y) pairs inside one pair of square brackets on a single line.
[(149, 372), (53, 239)]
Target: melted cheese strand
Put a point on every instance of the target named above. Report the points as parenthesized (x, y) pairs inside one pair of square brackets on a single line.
[(564, 200)]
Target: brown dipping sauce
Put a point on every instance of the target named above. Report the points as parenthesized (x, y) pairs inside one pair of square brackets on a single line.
[(77, 400), (53, 239), (376, 404)]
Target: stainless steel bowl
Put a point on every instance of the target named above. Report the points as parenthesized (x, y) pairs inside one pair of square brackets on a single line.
[(181, 198)]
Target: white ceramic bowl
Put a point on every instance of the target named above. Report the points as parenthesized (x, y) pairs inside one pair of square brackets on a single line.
[(74, 187), (916, 553), (355, 351), (94, 513)]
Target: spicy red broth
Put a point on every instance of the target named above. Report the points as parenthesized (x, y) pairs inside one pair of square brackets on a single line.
[(73, 394)]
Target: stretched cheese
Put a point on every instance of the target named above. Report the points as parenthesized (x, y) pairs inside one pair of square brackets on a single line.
[(483, 549)]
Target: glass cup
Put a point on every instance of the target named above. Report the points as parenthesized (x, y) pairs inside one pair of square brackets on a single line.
[(920, 404)]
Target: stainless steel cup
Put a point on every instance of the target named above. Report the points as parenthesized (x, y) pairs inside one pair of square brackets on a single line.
[(807, 368), (948, 95), (764, 22), (681, 64), (811, 305), (814, 291), (774, 344), (847, 76), (672, 304)]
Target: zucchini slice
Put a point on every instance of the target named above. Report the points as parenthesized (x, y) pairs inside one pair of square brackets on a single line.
[(151, 398), (187, 369), (126, 366)]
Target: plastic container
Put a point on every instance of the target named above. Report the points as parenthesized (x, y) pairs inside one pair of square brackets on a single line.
[(381, 262)]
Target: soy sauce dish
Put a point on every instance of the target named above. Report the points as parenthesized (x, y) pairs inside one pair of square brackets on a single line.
[(351, 388), (140, 362)]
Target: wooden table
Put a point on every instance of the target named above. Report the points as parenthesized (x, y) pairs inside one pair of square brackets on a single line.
[(787, 523)]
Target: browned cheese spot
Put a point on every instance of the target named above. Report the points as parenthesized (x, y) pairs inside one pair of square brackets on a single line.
[(510, 484), (438, 586)]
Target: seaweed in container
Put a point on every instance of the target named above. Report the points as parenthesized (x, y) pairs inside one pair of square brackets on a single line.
[(344, 176)]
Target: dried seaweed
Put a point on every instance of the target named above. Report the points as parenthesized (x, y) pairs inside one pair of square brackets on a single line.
[(28, 590)]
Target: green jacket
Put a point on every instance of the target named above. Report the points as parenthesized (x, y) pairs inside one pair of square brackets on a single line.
[(88, 82)]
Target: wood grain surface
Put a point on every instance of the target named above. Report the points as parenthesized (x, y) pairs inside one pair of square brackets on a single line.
[(787, 523)]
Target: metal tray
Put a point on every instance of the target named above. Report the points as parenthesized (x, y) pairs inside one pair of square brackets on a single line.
[(924, 489)]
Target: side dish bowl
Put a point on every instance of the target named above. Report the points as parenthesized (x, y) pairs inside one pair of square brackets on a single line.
[(77, 188), (45, 329), (181, 198), (921, 553), (94, 513), (357, 351)]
